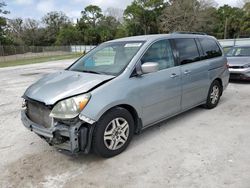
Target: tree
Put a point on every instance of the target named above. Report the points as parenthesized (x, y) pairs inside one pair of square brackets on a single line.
[(32, 34), (188, 15), (15, 30), (26, 32), (107, 28), (121, 31), (3, 38), (229, 21), (54, 21), (207, 18), (116, 13), (245, 22), (91, 15), (68, 35), (88, 24), (141, 17)]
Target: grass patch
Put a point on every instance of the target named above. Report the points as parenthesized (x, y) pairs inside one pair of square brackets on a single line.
[(38, 60)]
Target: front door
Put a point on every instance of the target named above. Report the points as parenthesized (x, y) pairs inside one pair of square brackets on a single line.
[(160, 92)]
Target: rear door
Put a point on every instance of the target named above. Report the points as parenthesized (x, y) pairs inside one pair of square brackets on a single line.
[(194, 72)]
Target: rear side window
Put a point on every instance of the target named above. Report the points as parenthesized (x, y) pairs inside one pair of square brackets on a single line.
[(188, 51), (210, 48)]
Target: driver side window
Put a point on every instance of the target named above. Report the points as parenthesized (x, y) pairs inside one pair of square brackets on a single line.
[(160, 52)]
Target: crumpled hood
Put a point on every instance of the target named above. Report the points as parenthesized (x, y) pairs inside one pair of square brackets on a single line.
[(54, 87), (238, 61)]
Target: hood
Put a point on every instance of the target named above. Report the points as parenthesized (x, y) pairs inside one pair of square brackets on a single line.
[(54, 87), (238, 61)]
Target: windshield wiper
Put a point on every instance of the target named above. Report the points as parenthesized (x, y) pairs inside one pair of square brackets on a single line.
[(90, 71)]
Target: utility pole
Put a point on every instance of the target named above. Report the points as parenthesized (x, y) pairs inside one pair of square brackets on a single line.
[(225, 30)]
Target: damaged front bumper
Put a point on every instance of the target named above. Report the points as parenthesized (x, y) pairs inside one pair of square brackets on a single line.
[(74, 138)]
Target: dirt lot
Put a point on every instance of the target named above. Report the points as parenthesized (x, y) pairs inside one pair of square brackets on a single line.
[(200, 148)]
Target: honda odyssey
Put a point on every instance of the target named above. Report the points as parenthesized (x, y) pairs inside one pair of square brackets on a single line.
[(122, 87)]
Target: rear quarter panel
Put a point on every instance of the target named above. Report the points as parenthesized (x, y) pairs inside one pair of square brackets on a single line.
[(218, 69)]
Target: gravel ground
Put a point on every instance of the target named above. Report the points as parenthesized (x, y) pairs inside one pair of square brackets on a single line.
[(200, 148)]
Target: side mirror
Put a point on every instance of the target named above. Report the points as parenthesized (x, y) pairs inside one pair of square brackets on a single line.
[(149, 67)]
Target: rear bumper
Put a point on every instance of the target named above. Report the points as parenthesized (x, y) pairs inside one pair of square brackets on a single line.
[(73, 138)]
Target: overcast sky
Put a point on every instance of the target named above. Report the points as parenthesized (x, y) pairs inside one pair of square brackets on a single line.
[(37, 8)]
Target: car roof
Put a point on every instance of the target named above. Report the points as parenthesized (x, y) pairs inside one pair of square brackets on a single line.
[(160, 36)]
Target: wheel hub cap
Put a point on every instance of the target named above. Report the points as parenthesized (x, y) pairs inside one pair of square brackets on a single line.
[(116, 133), (214, 96)]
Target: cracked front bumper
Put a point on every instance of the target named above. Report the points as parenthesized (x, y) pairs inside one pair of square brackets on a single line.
[(73, 138)]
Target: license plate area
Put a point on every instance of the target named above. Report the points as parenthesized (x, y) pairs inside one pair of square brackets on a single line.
[(39, 113)]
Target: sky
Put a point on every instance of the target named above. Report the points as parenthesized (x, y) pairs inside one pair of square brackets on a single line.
[(37, 8)]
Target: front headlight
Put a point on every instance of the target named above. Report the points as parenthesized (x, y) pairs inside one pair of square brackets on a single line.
[(71, 107)]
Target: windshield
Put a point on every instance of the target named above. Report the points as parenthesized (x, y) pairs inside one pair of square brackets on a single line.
[(238, 52), (108, 58)]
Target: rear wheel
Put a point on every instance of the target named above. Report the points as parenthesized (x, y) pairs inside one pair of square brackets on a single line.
[(113, 132), (214, 94)]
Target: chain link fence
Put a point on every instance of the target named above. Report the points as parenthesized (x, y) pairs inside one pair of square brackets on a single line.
[(12, 53)]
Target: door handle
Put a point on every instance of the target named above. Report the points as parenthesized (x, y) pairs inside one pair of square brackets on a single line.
[(186, 72), (173, 75)]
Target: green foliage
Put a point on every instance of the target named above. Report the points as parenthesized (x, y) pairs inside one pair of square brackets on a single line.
[(245, 23), (26, 32), (190, 15), (91, 15), (107, 28), (3, 38), (88, 24), (95, 27), (231, 18), (54, 21), (121, 31), (68, 35), (139, 18)]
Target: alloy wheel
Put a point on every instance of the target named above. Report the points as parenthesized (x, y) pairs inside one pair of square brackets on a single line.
[(116, 133), (215, 93)]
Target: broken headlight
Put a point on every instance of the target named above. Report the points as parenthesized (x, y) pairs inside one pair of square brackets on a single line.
[(71, 107)]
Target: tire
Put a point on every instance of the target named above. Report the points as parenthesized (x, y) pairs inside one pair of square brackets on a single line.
[(118, 134), (214, 95)]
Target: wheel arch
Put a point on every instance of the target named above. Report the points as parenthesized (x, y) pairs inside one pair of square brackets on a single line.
[(133, 112), (221, 84)]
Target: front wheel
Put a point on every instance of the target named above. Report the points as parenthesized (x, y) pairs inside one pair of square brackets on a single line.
[(214, 94), (113, 132)]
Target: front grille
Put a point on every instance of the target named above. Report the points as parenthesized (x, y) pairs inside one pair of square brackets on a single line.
[(39, 113)]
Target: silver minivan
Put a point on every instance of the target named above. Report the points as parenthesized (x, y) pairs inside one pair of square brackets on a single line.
[(122, 87), (239, 62)]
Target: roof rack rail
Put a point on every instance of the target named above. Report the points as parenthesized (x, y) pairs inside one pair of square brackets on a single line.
[(193, 33)]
